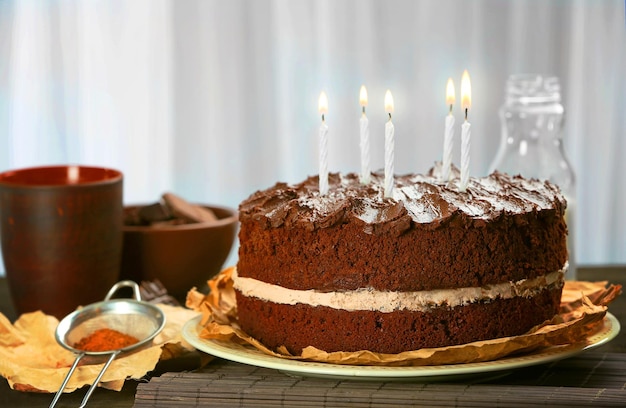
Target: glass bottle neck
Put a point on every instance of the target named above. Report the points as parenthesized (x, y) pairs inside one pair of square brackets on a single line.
[(529, 89), (532, 110)]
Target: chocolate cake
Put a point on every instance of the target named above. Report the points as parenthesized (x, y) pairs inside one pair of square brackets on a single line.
[(428, 267)]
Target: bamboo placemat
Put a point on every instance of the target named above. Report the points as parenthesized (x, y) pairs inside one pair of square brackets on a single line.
[(589, 379)]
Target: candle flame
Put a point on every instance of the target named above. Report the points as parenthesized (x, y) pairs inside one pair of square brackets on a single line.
[(466, 91), (323, 103), (363, 96), (388, 102), (450, 95)]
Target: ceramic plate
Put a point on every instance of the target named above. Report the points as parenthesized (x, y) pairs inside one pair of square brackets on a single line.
[(251, 356)]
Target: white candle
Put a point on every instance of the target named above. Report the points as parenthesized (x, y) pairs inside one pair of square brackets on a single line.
[(365, 139), (466, 102), (389, 146), (323, 158), (465, 155), (448, 134)]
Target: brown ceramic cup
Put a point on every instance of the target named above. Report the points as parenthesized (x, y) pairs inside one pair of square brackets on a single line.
[(61, 233)]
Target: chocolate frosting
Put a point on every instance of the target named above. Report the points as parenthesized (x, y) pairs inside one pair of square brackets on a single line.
[(417, 199)]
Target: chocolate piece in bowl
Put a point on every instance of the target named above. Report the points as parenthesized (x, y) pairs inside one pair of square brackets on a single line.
[(156, 212), (187, 211), (148, 214)]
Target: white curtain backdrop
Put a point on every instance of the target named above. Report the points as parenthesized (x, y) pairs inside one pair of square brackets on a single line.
[(213, 100)]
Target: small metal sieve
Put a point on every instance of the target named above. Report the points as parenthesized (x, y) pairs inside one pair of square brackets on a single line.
[(133, 317)]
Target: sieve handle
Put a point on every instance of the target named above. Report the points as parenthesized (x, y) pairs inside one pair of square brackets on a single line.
[(66, 380), (97, 380), (124, 284)]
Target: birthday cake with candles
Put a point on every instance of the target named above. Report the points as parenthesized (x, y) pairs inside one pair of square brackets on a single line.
[(429, 266)]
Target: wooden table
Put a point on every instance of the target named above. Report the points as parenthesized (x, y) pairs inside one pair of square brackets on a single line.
[(126, 397)]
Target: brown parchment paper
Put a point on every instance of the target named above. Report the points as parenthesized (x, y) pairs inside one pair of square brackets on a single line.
[(32, 360), (583, 307)]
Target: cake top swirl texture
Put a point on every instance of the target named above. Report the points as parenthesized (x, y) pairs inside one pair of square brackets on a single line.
[(417, 199)]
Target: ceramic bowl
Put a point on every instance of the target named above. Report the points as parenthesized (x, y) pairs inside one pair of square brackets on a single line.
[(180, 256)]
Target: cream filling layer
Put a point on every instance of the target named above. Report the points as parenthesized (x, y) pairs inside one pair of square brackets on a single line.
[(375, 300)]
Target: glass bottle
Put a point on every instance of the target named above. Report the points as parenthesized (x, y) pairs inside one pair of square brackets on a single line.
[(532, 141)]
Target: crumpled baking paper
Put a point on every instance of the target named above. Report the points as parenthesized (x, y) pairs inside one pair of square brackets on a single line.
[(32, 360), (583, 307)]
